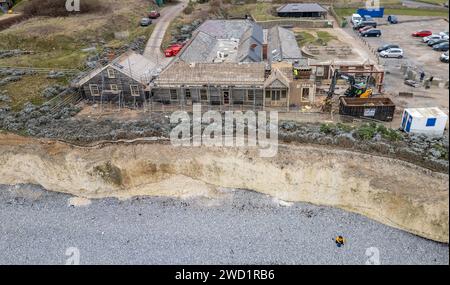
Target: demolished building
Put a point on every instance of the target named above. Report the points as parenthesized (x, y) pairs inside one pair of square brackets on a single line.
[(236, 63)]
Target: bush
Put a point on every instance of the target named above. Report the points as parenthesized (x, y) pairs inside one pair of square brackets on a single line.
[(57, 8)]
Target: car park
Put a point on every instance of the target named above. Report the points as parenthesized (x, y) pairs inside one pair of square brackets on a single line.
[(154, 14), (392, 53), (436, 42), (422, 33), (145, 22), (356, 19), (444, 57), (387, 46), (392, 19), (363, 24), (441, 47), (432, 37), (371, 33)]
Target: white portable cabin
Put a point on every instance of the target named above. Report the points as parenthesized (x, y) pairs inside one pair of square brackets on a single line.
[(428, 121)]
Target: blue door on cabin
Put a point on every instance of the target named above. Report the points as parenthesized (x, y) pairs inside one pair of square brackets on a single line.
[(408, 124), (405, 117)]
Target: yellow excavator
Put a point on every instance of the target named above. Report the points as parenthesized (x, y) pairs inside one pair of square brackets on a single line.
[(356, 90)]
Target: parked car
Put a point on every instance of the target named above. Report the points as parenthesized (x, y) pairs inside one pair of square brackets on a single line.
[(154, 14), (145, 22), (371, 33), (436, 42), (444, 57), (392, 19), (363, 24), (432, 37), (366, 28), (356, 19), (441, 47), (173, 50), (422, 33), (386, 47), (367, 18), (392, 52), (443, 34)]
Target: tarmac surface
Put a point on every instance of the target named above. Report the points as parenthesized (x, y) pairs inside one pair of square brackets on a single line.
[(242, 227)]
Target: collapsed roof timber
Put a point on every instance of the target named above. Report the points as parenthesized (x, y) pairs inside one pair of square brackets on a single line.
[(226, 63)]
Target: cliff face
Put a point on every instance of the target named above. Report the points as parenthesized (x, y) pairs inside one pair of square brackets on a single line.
[(390, 191)]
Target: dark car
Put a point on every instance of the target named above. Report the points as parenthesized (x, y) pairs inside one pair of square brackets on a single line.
[(386, 47), (436, 42), (392, 19), (441, 47), (371, 33), (365, 24)]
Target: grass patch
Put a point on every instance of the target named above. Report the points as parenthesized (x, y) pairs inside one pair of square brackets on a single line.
[(260, 11), (21, 93), (368, 132), (320, 38)]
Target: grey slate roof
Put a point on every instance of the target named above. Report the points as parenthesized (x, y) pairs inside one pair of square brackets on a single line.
[(282, 45), (301, 7), (240, 40)]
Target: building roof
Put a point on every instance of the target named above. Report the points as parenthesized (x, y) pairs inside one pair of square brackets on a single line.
[(282, 45), (301, 8), (225, 41), (225, 73), (431, 112), (131, 64)]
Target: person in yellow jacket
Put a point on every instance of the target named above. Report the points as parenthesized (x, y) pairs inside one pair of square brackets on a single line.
[(340, 241)]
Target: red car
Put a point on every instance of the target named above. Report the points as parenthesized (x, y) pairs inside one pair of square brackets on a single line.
[(173, 50), (422, 34), (154, 14), (366, 28)]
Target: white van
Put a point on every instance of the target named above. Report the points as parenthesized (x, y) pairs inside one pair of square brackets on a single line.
[(356, 19)]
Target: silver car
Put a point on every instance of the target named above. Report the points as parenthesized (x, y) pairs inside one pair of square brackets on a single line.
[(392, 52), (145, 22)]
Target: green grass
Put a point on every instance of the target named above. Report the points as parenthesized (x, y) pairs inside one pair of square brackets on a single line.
[(260, 11), (20, 91), (321, 38), (437, 2)]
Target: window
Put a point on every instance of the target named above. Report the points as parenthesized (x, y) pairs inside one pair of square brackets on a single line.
[(250, 95), (187, 93), (305, 94), (320, 71), (111, 73), (203, 95), (113, 87), (94, 89), (267, 94), (283, 94), (431, 122), (173, 94), (134, 90), (276, 95)]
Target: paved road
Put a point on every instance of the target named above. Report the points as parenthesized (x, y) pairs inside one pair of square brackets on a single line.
[(243, 227), (153, 48)]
